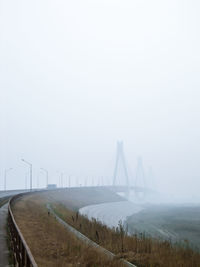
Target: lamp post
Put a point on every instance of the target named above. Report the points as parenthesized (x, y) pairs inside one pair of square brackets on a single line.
[(26, 178), (5, 177), (47, 176), (30, 165), (61, 179)]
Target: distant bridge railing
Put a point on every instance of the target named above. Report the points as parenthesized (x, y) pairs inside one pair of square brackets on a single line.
[(124, 188), (22, 256)]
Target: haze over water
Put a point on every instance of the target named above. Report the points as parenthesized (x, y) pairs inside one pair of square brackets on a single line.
[(76, 76)]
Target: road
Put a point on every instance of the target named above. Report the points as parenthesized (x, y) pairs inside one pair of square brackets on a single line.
[(11, 193), (4, 253)]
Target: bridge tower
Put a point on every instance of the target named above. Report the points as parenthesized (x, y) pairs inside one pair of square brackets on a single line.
[(140, 180), (140, 175), (120, 159)]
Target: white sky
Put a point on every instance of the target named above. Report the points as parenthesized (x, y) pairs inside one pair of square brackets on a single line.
[(76, 76)]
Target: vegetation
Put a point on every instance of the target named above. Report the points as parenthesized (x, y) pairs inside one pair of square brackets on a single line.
[(50, 243), (75, 198), (138, 249), (176, 222)]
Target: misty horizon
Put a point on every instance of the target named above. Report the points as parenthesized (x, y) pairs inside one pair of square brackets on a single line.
[(76, 77)]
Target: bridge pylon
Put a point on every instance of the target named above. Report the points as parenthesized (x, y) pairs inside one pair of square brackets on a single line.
[(140, 175), (120, 158), (140, 179)]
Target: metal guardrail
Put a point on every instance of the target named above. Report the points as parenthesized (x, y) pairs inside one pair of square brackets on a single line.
[(22, 256)]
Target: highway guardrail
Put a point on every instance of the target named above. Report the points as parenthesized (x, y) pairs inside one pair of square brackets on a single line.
[(22, 256)]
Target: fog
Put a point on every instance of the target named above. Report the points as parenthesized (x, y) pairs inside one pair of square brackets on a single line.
[(77, 76)]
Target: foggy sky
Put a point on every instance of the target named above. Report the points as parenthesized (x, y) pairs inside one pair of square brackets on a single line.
[(76, 76)]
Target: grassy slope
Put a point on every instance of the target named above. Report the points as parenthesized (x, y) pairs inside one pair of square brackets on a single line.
[(175, 223), (140, 250), (40, 233), (50, 243), (76, 198)]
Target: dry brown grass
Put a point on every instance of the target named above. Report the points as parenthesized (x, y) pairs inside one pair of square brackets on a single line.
[(50, 243), (140, 250)]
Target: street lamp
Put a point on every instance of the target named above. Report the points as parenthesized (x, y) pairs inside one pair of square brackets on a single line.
[(61, 179), (5, 177), (47, 175), (30, 172)]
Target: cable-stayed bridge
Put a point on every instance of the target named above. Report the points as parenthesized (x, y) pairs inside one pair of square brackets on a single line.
[(128, 184), (123, 180)]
